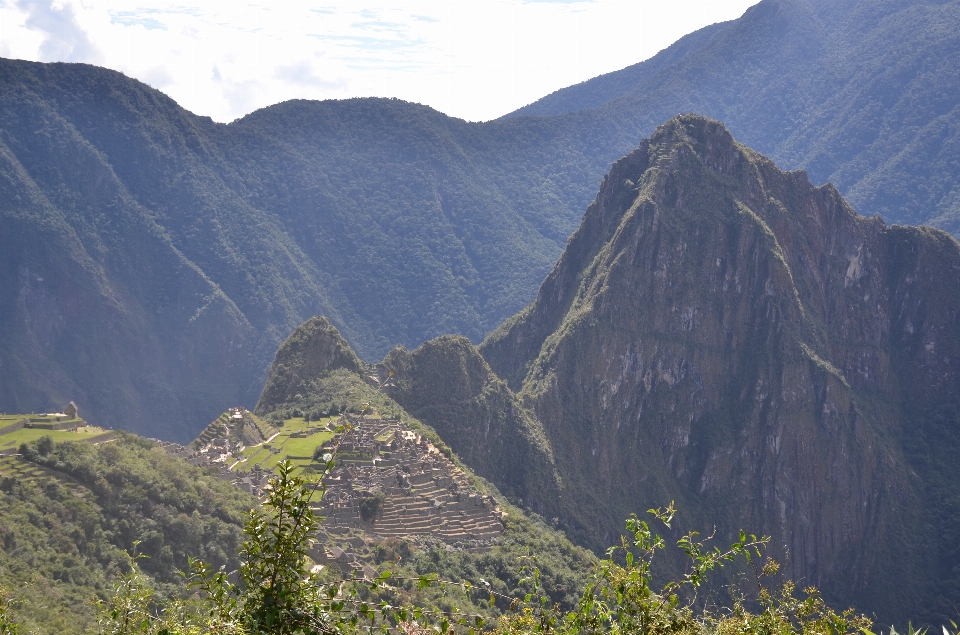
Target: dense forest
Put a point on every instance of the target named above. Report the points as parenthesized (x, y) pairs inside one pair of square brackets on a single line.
[(274, 594), (73, 514)]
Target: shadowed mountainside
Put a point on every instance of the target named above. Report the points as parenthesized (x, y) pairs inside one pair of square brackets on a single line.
[(727, 335), (152, 260)]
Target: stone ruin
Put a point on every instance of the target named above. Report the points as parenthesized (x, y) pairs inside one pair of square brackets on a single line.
[(424, 493), (219, 443), (426, 498)]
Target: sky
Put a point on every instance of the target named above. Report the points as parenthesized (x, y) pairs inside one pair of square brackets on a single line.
[(473, 59)]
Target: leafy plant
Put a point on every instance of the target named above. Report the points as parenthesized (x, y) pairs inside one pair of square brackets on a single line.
[(370, 506), (7, 624)]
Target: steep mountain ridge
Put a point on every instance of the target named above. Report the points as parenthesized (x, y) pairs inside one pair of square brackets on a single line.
[(817, 85), (730, 336), (313, 349), (727, 335), (447, 383)]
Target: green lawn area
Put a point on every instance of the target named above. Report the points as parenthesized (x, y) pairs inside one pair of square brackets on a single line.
[(304, 446), (256, 454), (25, 435), (6, 420), (299, 450), (297, 424)]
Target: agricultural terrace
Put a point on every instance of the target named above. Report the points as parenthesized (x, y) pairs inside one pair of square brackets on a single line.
[(297, 439), (24, 471), (43, 425)]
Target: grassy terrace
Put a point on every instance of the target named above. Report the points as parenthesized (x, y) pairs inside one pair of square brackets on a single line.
[(15, 467), (298, 449), (25, 435)]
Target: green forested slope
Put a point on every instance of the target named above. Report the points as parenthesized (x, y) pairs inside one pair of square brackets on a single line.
[(152, 260), (71, 512)]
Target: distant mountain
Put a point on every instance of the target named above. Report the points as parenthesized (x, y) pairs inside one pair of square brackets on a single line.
[(865, 95), (151, 260)]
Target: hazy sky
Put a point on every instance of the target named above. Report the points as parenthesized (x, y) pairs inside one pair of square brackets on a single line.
[(475, 59)]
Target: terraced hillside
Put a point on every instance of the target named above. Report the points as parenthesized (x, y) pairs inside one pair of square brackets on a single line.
[(423, 492), (392, 482), (236, 426), (17, 469)]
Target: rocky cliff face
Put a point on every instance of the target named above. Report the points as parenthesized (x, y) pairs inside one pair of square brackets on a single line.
[(725, 334), (448, 384)]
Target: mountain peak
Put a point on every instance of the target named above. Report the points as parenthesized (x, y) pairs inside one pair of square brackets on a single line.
[(313, 349), (727, 335)]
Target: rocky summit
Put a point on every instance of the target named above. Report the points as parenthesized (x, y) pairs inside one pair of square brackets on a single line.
[(725, 334)]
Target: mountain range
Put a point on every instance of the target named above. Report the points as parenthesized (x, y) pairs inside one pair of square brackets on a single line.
[(859, 94), (153, 260)]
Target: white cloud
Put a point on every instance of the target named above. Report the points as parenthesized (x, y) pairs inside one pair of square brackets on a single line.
[(475, 59), (303, 73), (64, 39)]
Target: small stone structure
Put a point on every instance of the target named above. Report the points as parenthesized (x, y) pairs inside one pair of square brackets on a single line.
[(71, 410)]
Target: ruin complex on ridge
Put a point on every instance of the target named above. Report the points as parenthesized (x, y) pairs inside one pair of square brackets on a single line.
[(406, 486), (421, 491)]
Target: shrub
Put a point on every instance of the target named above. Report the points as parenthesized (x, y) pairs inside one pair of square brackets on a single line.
[(370, 506)]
